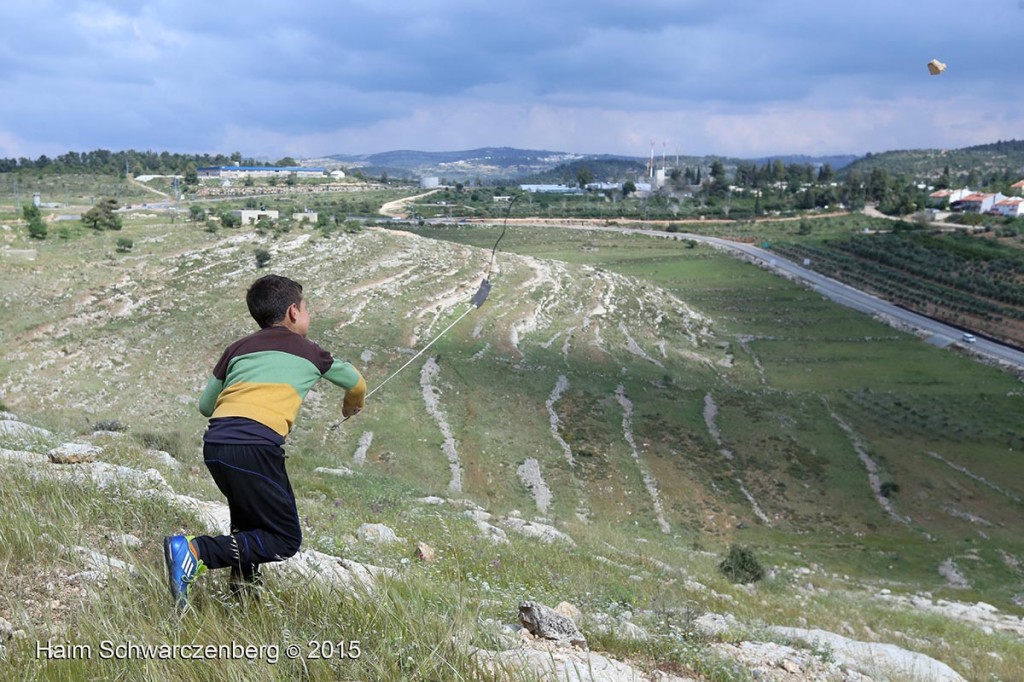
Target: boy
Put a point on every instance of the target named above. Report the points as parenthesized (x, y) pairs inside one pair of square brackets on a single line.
[(252, 399)]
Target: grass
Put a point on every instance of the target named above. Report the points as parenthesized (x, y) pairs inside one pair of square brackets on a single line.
[(144, 365)]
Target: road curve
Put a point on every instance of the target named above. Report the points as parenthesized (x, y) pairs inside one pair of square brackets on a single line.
[(941, 334)]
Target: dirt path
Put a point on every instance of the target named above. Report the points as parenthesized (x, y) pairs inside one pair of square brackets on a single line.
[(396, 208), (163, 195)]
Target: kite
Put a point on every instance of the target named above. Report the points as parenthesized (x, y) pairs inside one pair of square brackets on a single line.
[(935, 67)]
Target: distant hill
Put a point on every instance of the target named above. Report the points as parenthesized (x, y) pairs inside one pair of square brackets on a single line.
[(494, 164), (837, 161), (1005, 158), (485, 163)]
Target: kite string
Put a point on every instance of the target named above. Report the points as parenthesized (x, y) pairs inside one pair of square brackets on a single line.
[(422, 350), (504, 226), (484, 289)]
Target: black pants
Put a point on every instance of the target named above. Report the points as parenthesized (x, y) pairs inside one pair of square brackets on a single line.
[(264, 520)]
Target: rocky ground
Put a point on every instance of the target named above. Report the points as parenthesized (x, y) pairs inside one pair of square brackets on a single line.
[(548, 642)]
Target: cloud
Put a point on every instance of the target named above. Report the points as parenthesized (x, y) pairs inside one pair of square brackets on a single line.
[(279, 79)]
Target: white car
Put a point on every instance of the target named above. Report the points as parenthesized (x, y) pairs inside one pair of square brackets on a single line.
[(968, 338)]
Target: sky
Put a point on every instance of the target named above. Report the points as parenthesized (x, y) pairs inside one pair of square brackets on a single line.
[(309, 78)]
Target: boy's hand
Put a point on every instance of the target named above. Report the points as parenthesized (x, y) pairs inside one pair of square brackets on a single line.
[(350, 411)]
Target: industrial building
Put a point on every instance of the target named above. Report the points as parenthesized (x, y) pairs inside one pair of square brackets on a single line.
[(227, 172)]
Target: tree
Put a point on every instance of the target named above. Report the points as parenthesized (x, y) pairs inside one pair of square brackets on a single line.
[(191, 175), (36, 226), (718, 186), (628, 188), (262, 257), (878, 184), (265, 223), (825, 173), (102, 216), (230, 220), (124, 245), (196, 213), (584, 176), (717, 171)]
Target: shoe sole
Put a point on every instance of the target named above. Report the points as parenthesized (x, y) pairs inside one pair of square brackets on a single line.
[(169, 562)]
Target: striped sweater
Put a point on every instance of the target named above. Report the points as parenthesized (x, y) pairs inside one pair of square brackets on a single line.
[(265, 376)]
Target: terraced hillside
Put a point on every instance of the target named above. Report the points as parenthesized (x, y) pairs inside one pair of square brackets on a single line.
[(670, 395), (619, 390)]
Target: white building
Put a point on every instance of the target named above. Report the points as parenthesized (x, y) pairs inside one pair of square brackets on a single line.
[(551, 189), (252, 216), (307, 216), (979, 202), (430, 182), (1011, 207), (942, 196)]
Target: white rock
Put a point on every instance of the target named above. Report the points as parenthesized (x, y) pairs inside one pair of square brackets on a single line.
[(564, 665), (102, 563), (164, 458), (714, 624), (74, 453), (377, 532), (128, 540), (541, 531), (341, 471), (11, 428), (631, 631), (24, 457), (332, 570), (875, 659)]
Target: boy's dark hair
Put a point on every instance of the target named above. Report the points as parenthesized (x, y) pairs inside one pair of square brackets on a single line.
[(269, 298)]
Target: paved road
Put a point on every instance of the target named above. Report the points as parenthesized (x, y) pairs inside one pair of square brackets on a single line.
[(941, 334)]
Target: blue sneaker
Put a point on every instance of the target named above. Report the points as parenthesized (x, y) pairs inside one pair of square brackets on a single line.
[(183, 566)]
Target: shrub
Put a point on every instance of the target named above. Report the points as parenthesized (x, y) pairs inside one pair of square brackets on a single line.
[(230, 220), (110, 425), (36, 227), (124, 244), (888, 488), (741, 566), (262, 257)]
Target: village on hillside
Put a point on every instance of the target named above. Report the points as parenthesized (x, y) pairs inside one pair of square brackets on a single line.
[(968, 201)]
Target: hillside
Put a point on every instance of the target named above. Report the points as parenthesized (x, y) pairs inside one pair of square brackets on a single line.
[(650, 404), (1003, 160), (485, 163), (497, 164)]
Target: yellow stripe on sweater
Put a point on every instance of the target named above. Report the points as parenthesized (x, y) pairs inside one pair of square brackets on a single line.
[(273, 405)]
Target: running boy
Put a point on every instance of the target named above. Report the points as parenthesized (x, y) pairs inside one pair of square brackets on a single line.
[(252, 399)]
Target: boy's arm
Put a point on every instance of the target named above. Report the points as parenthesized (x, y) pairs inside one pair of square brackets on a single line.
[(208, 400), (348, 377)]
